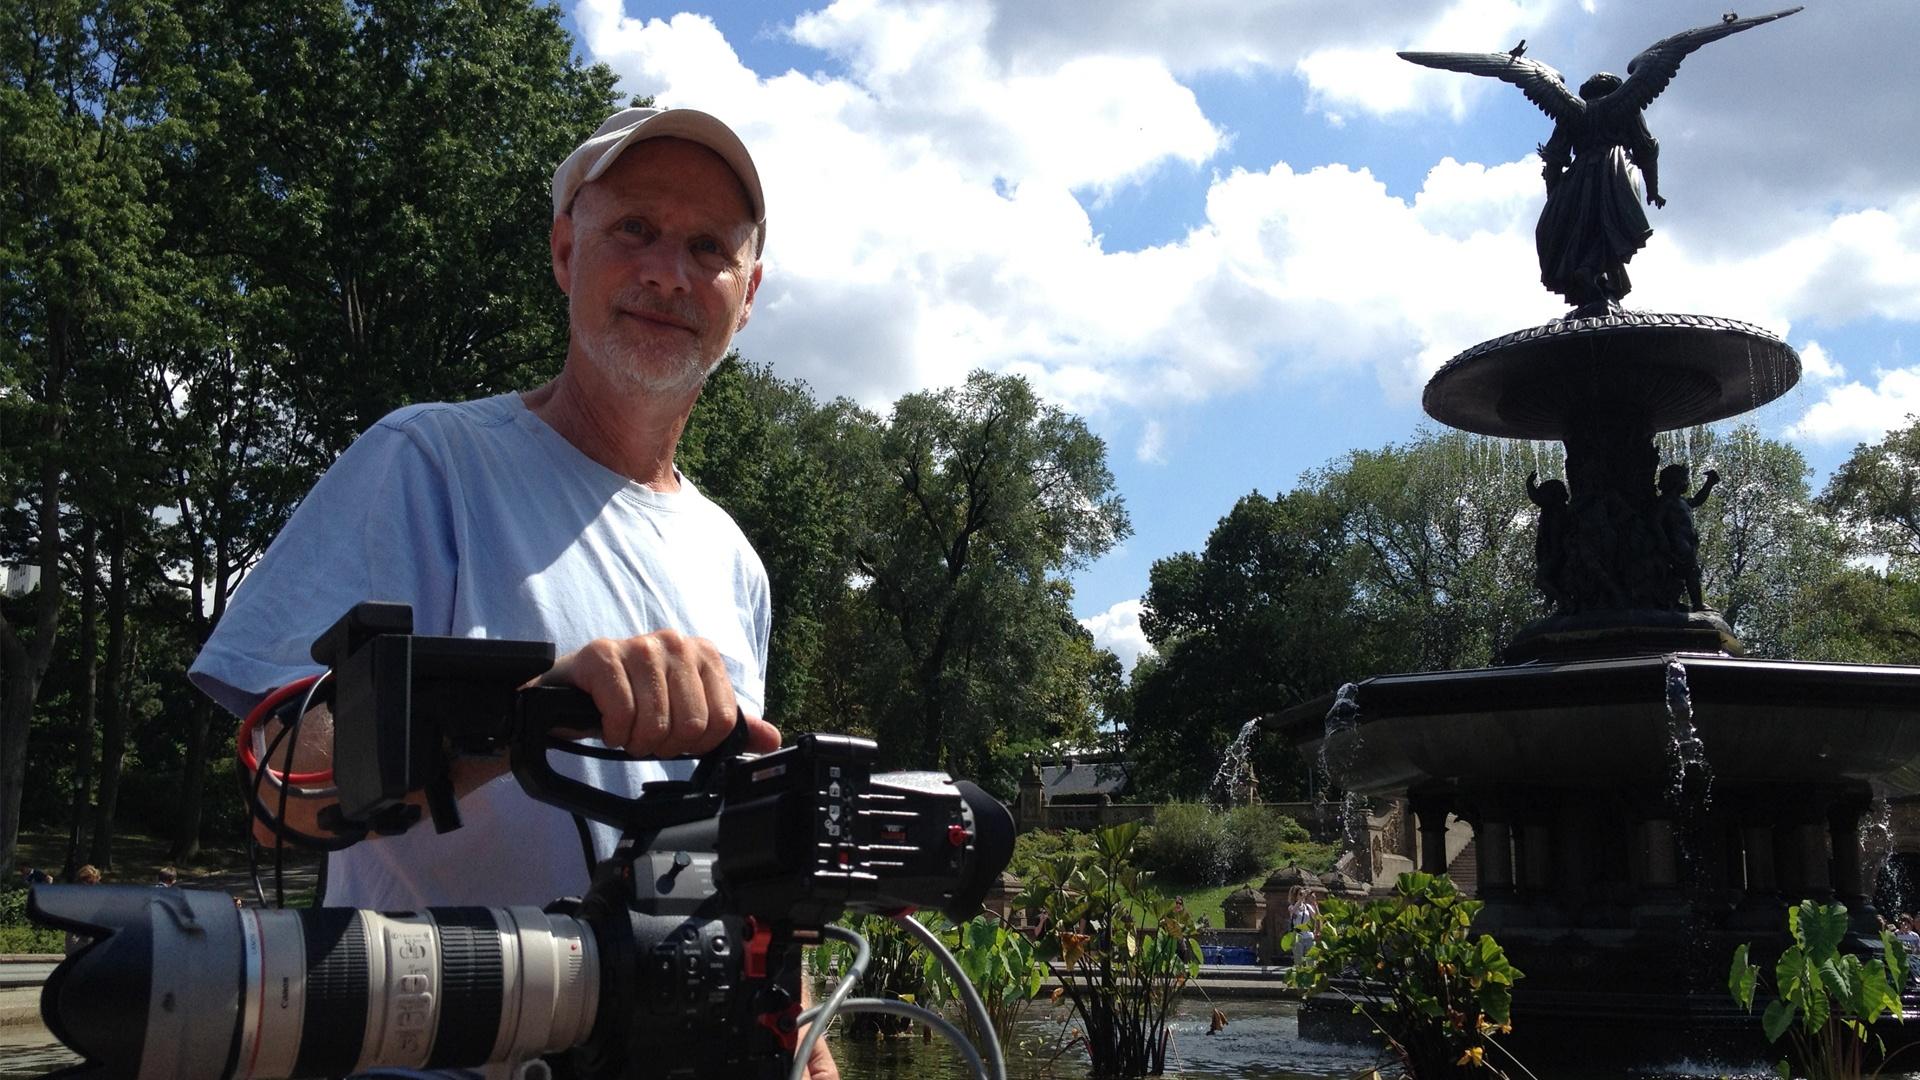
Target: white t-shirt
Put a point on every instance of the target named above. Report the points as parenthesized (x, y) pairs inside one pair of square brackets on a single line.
[(491, 525)]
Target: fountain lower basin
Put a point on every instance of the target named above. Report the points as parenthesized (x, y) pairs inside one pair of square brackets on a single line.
[(1636, 818), (1605, 723)]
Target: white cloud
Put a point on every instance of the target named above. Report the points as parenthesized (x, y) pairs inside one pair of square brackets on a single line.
[(1854, 412), (1153, 442), (1118, 628), (1817, 365), (1366, 75)]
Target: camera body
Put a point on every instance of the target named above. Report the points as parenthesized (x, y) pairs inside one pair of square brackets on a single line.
[(716, 910), (682, 960)]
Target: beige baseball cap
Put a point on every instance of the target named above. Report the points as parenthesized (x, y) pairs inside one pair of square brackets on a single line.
[(628, 126)]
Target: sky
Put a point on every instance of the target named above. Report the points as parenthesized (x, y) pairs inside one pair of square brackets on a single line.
[(1237, 237)]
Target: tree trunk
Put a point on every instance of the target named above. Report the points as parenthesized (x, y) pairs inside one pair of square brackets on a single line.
[(193, 783), (16, 712), (86, 706), (113, 733), (23, 665)]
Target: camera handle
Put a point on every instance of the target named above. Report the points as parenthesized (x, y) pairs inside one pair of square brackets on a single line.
[(539, 711)]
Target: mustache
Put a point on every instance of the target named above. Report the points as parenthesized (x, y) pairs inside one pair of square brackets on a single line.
[(648, 302)]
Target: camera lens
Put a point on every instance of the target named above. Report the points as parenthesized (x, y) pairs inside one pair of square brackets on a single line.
[(180, 984)]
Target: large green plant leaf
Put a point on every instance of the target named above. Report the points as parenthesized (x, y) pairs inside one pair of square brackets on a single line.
[(1742, 978), (1822, 928), (1777, 1018)]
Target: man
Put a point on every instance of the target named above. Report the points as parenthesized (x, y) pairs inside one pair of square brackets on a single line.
[(552, 515)]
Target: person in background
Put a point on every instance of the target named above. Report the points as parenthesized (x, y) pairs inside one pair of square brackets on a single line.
[(1907, 933), (1303, 915), (86, 875), (166, 877)]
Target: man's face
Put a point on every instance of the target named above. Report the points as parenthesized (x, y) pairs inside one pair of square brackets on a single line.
[(656, 259)]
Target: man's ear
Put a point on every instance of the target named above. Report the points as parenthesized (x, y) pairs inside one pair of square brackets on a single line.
[(746, 309), (560, 244)]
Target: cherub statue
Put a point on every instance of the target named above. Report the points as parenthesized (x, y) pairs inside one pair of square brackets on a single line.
[(1593, 223), (1550, 538), (1676, 529)]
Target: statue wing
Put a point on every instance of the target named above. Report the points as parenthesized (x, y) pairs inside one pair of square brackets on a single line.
[(1542, 85), (1654, 68)]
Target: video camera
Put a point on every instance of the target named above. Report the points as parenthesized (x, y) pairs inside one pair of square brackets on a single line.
[(682, 959)]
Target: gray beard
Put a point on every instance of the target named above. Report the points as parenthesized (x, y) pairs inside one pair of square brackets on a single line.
[(671, 375)]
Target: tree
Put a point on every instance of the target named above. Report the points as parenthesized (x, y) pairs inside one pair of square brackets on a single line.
[(762, 448), (1869, 610), (1411, 557), (1443, 538), (1260, 620), (1765, 548), (974, 499), (86, 90), (1875, 495)]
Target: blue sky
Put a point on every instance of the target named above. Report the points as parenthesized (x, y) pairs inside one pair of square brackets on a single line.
[(1238, 236)]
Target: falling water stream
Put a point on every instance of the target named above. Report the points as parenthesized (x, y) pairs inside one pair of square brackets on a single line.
[(1233, 782), (1692, 787)]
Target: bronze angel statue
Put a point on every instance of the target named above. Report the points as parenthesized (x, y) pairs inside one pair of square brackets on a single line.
[(1593, 222)]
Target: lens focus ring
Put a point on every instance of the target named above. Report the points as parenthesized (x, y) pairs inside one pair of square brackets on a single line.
[(336, 1012), (470, 986)]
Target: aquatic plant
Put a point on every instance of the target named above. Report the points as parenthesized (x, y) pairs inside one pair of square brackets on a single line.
[(1825, 1001), (1001, 963), (1121, 951), (1411, 965)]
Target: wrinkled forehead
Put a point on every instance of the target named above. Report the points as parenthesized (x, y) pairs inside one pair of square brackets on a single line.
[(670, 170)]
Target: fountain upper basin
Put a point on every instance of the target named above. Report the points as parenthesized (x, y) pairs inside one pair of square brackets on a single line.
[(1608, 723), (1665, 371)]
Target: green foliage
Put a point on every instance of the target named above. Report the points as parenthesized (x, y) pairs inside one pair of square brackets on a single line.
[(17, 933), (1001, 963), (762, 448), (916, 562), (975, 501), (1032, 849), (1191, 843), (1438, 541), (1437, 993), (1183, 844), (1122, 951), (1825, 1000), (1875, 497), (1412, 557), (1252, 837)]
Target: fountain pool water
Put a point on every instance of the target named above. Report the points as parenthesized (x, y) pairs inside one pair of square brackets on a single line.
[(1261, 1041)]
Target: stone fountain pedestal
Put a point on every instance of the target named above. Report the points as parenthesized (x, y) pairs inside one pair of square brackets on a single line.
[(1644, 797)]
